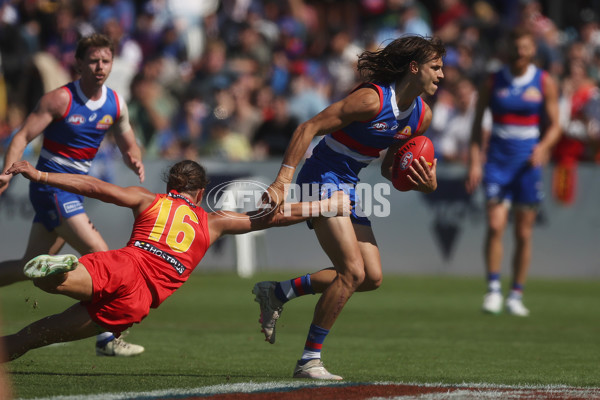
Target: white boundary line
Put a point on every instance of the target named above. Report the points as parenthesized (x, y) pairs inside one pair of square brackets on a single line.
[(486, 390)]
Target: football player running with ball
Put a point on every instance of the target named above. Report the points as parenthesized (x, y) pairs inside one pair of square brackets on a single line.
[(380, 114)]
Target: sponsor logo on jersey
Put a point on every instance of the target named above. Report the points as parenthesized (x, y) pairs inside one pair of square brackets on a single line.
[(380, 126), (149, 247), (105, 123), (404, 133), (76, 119), (532, 94), (93, 117), (71, 206)]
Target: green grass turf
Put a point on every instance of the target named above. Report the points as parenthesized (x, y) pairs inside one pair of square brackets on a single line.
[(413, 329)]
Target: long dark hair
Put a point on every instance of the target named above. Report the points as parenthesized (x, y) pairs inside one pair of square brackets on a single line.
[(186, 177), (391, 63)]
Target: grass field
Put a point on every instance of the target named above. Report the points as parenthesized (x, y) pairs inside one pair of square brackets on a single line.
[(413, 329)]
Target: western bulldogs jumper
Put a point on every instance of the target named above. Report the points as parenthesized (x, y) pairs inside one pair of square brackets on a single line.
[(517, 104), (338, 157), (70, 144)]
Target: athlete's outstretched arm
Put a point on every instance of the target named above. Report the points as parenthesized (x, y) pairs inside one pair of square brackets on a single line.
[(135, 197), (51, 106), (227, 222), (361, 105)]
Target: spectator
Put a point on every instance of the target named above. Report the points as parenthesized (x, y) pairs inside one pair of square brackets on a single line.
[(188, 133), (580, 102), (306, 100), (152, 107), (341, 64), (128, 57), (225, 144), (272, 136), (451, 127)]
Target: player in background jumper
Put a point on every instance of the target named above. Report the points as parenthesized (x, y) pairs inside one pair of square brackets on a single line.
[(520, 97), (380, 114), (73, 120), (170, 236)]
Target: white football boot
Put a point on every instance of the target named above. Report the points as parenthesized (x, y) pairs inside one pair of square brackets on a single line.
[(45, 265), (119, 348), (270, 308), (492, 303), (515, 306), (314, 369)]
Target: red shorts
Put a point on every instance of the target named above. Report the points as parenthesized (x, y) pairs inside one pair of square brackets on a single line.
[(120, 294)]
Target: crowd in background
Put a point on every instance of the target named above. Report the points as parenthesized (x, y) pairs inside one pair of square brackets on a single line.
[(232, 79)]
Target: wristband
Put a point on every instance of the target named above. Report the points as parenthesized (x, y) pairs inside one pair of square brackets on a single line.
[(45, 177), (287, 166)]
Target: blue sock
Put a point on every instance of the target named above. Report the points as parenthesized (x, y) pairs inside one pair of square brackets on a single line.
[(493, 280), (287, 290), (314, 343), (103, 339), (516, 291)]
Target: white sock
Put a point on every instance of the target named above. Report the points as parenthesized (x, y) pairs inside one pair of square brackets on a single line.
[(494, 286)]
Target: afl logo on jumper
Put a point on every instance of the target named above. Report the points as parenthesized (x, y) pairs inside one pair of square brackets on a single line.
[(379, 126), (406, 160), (105, 123), (76, 119), (404, 133)]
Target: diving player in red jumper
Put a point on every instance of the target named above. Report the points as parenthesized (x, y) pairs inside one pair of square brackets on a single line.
[(171, 234), (73, 120), (380, 114)]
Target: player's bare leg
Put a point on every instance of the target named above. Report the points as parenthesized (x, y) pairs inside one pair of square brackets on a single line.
[(497, 217), (272, 306), (524, 221), (79, 232), (76, 284), (39, 242), (321, 280), (340, 242), (57, 246), (72, 324)]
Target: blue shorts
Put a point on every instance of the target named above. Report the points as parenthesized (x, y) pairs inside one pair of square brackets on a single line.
[(52, 205), (522, 186), (317, 183)]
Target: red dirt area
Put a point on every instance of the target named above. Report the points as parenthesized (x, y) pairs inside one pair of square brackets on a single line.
[(363, 392), (358, 392)]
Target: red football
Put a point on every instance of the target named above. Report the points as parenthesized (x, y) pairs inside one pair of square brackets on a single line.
[(412, 150)]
